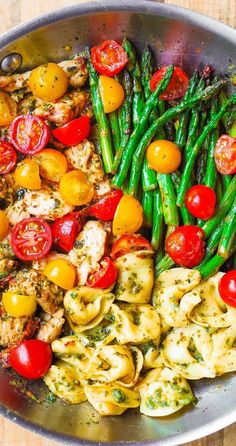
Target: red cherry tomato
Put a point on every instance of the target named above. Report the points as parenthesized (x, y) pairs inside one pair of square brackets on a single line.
[(31, 359), (105, 276), (105, 208), (74, 132), (109, 58), (201, 201), (227, 288), (8, 157), (129, 243), (177, 86), (29, 134), (65, 230), (31, 239), (185, 246), (225, 155)]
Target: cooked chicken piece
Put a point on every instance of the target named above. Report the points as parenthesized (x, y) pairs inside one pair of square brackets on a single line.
[(46, 203), (88, 249), (17, 212), (75, 69), (11, 328), (60, 112), (6, 249), (102, 188), (7, 266), (49, 296), (84, 157), (51, 326)]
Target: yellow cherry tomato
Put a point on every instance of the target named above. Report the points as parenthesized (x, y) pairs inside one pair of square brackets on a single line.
[(75, 188), (61, 272), (163, 156), (4, 225), (112, 93), (18, 305), (52, 164), (48, 82), (128, 216), (8, 109), (27, 174)]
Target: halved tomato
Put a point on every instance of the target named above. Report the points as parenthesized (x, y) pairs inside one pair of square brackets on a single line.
[(225, 155), (31, 239), (109, 58), (8, 157), (129, 243), (73, 132), (105, 276), (29, 134)]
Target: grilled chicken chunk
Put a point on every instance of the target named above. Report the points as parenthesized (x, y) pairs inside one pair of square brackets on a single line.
[(75, 69), (46, 203), (28, 281), (88, 249), (51, 326), (60, 112), (84, 157)]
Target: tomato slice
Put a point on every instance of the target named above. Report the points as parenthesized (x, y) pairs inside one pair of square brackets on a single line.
[(31, 239), (105, 276), (225, 155), (227, 288), (8, 157), (105, 208), (177, 86), (29, 134), (31, 359), (74, 132), (109, 58), (129, 243), (65, 230), (201, 201), (185, 246)]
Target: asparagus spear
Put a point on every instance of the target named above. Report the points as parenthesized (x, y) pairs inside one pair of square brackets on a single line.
[(115, 129), (170, 210), (125, 113), (120, 177), (137, 157), (103, 126), (149, 179), (192, 156), (157, 227), (147, 204)]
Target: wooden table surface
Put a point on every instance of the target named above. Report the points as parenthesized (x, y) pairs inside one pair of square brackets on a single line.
[(13, 12)]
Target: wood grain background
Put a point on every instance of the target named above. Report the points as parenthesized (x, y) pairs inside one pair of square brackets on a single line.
[(13, 12)]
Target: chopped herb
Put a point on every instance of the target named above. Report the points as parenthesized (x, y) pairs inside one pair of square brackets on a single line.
[(119, 396)]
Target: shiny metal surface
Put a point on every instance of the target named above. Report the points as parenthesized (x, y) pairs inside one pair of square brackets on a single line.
[(175, 35), (11, 63)]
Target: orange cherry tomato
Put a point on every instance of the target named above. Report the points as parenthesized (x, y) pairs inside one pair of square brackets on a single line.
[(163, 156), (8, 109), (128, 217), (27, 174), (48, 82), (112, 93), (52, 164), (61, 272), (75, 188), (4, 225)]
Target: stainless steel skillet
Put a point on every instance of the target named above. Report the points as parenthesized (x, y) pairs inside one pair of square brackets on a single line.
[(175, 35)]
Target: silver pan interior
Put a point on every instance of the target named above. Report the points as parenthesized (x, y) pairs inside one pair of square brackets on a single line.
[(175, 35)]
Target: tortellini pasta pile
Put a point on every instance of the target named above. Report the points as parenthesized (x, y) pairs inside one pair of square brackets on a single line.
[(137, 345)]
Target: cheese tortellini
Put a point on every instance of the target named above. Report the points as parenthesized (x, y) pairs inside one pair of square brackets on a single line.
[(135, 277), (170, 287), (63, 380), (188, 350), (185, 331), (112, 398), (86, 307), (135, 323), (163, 392)]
